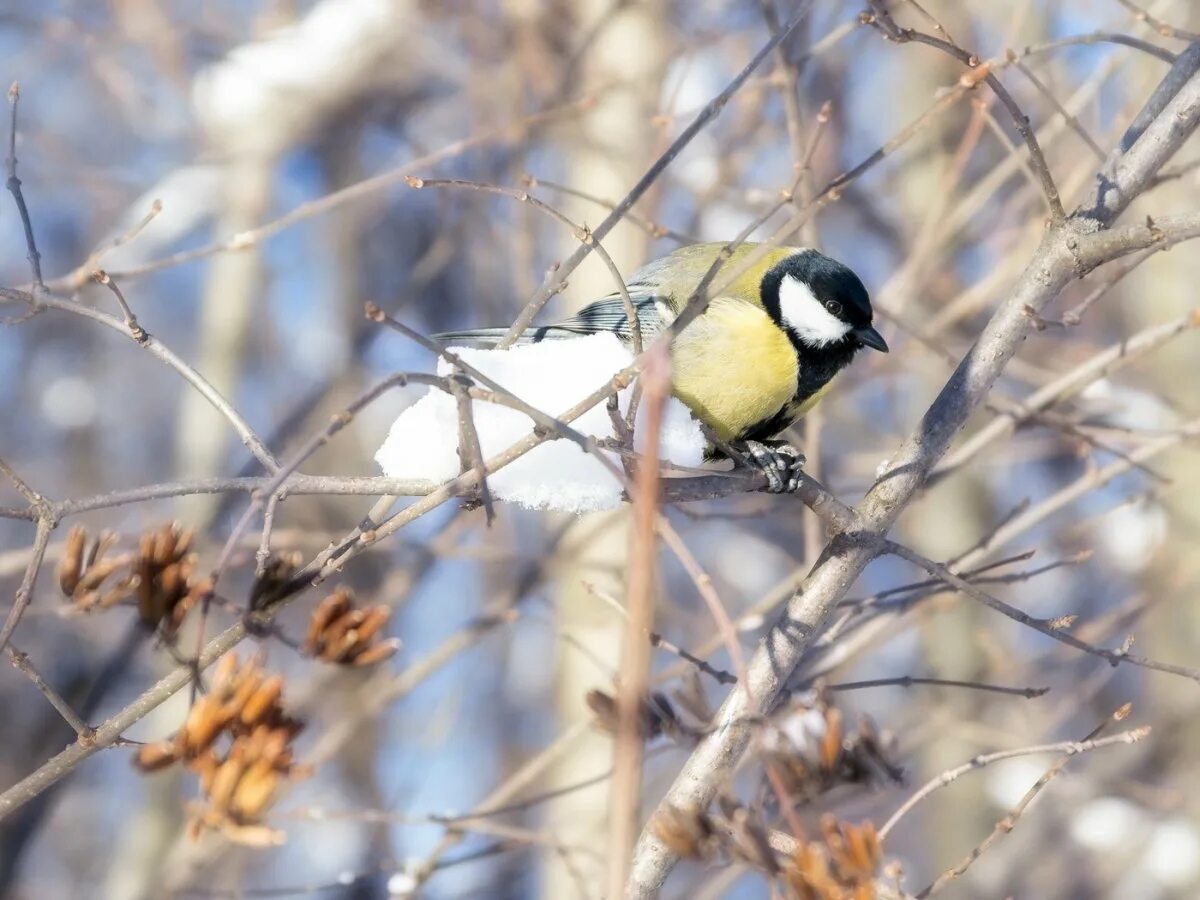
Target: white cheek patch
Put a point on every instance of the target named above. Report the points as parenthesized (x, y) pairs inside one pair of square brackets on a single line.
[(805, 315)]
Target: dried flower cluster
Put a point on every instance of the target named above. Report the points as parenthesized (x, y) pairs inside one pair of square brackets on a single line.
[(240, 781), (164, 577), (844, 864), (160, 576), (656, 716), (274, 581), (808, 745), (340, 632)]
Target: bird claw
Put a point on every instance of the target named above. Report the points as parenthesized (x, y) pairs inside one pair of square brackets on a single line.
[(782, 463)]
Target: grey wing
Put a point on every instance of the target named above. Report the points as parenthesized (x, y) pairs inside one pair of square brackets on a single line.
[(610, 314), (606, 314)]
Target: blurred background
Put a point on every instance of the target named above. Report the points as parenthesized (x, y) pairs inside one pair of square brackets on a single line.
[(233, 115)]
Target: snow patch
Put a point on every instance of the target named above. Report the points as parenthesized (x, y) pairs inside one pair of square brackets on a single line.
[(551, 376)]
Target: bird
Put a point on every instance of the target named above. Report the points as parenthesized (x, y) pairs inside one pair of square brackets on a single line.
[(762, 354)]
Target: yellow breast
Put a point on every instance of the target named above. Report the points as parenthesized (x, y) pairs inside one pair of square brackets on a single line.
[(733, 367)]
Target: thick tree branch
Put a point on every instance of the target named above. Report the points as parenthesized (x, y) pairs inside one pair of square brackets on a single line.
[(1170, 115)]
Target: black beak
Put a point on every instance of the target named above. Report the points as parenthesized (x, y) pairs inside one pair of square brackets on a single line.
[(869, 337)]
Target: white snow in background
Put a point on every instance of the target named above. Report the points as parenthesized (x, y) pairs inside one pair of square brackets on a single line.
[(1125, 406), (262, 95), (1173, 854), (189, 195), (1005, 785), (69, 402), (1106, 823), (552, 376), (1132, 534)]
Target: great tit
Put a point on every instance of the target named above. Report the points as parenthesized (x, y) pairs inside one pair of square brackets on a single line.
[(760, 356)]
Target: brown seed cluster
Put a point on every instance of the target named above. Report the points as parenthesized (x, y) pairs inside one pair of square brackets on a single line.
[(160, 577), (844, 864), (809, 747), (342, 633), (164, 577), (656, 716), (238, 740), (274, 582)]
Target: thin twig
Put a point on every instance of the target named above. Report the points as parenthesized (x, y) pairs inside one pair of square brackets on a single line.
[(25, 591), (1006, 824), (1159, 25), (1071, 748), (1050, 627), (581, 233), (469, 449), (14, 187), (72, 718), (164, 354), (135, 330), (35, 499), (368, 188), (1072, 122), (883, 20), (909, 680)]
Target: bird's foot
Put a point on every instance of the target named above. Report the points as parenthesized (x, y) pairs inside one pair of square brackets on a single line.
[(778, 460)]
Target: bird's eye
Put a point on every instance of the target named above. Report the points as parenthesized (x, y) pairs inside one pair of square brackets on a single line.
[(834, 307)]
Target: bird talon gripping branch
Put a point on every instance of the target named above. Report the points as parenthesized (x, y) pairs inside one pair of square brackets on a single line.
[(779, 461)]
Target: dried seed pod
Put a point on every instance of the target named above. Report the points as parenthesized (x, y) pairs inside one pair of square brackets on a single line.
[(373, 622), (207, 718), (749, 842), (152, 757), (656, 715), (70, 569), (377, 653), (225, 782), (275, 580), (224, 672), (260, 704), (254, 790), (864, 849), (162, 574), (248, 682), (256, 836), (831, 744), (687, 831), (339, 632), (808, 876), (84, 571), (326, 612), (341, 636), (206, 766)]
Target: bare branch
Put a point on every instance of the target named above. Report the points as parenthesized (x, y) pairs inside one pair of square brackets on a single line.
[(1071, 748)]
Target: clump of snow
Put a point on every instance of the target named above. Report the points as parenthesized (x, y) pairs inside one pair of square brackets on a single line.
[(1106, 823), (1173, 854), (551, 376), (1131, 534)]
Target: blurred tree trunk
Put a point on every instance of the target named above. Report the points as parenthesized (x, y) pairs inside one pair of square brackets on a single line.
[(233, 290), (257, 104), (608, 152)]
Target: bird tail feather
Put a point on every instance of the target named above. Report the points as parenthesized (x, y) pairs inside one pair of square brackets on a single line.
[(490, 337)]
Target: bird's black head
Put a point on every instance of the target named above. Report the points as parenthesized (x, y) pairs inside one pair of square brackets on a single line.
[(821, 302)]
